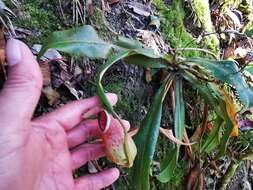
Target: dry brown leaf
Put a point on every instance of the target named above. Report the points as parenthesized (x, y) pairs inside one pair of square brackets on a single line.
[(113, 1), (152, 40), (50, 54), (195, 178), (231, 111), (148, 38), (199, 132), (139, 9), (92, 168), (188, 149), (51, 95), (169, 134), (133, 132), (73, 91), (45, 69), (2, 46), (229, 53)]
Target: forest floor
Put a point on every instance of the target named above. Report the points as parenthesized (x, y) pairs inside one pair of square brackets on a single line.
[(74, 79)]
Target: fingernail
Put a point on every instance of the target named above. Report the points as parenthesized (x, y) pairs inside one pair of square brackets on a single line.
[(13, 52)]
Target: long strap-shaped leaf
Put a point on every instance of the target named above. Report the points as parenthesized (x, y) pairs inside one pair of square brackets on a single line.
[(146, 140), (179, 127), (179, 111)]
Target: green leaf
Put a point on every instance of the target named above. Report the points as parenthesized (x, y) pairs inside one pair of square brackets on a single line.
[(128, 43), (82, 41), (203, 89), (227, 131), (129, 149), (213, 139), (146, 140), (103, 68), (250, 69), (168, 166), (223, 113), (146, 62), (179, 128), (228, 72), (101, 71), (137, 48), (179, 117), (214, 99), (249, 33)]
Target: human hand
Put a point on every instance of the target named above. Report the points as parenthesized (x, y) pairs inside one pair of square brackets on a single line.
[(41, 153)]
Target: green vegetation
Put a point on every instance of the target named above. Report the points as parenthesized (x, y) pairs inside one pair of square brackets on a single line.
[(203, 16), (40, 17), (163, 164), (124, 106), (174, 30), (201, 73), (172, 18), (98, 21)]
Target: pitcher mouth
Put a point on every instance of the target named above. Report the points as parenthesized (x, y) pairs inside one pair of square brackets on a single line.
[(104, 120)]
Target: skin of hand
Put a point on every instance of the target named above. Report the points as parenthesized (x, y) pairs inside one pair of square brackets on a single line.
[(41, 153)]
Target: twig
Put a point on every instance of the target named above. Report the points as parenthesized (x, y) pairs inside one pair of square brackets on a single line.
[(62, 12)]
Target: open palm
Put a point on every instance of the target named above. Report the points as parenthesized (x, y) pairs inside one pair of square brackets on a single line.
[(42, 153)]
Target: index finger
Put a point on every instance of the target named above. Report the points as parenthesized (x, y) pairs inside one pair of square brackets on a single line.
[(70, 115)]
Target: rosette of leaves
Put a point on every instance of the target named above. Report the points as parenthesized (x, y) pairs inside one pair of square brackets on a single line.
[(206, 75)]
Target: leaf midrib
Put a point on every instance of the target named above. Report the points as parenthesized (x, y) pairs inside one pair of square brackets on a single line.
[(76, 41)]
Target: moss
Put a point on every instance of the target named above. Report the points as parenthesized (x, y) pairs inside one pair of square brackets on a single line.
[(125, 107), (173, 26), (174, 30), (114, 87), (39, 17), (98, 20), (202, 11)]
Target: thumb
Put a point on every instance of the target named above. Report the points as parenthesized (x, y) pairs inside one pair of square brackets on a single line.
[(22, 89)]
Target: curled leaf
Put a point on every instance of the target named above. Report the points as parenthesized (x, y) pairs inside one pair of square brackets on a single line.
[(146, 140)]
